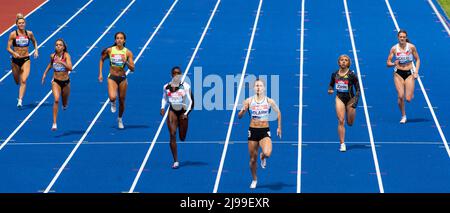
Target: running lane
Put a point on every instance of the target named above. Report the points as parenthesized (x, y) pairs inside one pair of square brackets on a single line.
[(324, 168), (275, 58), (411, 155)]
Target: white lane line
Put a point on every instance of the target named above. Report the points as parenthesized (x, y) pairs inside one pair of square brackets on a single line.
[(236, 101), (438, 14), (54, 33), (430, 107), (300, 98), (366, 112), (149, 151)]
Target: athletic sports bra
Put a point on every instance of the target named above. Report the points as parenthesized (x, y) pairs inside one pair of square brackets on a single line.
[(403, 56), (116, 57), (259, 111), (57, 67), (21, 40)]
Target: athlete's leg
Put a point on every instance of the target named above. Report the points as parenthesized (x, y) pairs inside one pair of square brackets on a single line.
[(400, 87), (172, 123), (340, 112)]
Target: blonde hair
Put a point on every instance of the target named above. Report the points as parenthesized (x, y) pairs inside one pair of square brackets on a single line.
[(19, 16), (348, 57)]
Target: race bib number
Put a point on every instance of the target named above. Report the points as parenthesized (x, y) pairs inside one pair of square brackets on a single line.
[(59, 67), (117, 60), (342, 85), (21, 41)]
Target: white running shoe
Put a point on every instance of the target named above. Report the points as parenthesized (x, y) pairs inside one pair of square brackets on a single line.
[(113, 106), (120, 123), (343, 148), (176, 165), (19, 103), (403, 120), (65, 107), (253, 184), (263, 161), (54, 127)]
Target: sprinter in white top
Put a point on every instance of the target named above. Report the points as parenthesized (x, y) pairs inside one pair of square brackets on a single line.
[(259, 107), (178, 95), (404, 75)]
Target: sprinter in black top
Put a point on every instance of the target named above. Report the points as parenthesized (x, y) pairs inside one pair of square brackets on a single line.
[(347, 94)]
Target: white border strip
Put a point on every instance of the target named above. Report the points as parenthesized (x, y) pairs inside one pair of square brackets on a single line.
[(106, 102), (444, 140), (149, 151), (444, 24), (54, 33), (366, 112), (300, 98), (49, 93), (236, 101), (25, 16)]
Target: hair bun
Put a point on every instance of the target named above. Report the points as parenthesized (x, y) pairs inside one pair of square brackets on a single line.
[(19, 15)]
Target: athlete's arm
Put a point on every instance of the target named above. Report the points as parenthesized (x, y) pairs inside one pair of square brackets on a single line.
[(164, 101), (130, 61), (331, 84), (357, 90), (10, 42), (244, 108), (188, 97), (33, 39), (277, 110), (68, 64), (389, 62), (48, 68), (102, 58), (417, 58)]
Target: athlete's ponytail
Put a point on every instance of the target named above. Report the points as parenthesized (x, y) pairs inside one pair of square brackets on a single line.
[(19, 16)]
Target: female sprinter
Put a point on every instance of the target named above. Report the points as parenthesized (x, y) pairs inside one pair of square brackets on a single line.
[(176, 93), (20, 60), (119, 56), (259, 132), (344, 80), (404, 74), (61, 63)]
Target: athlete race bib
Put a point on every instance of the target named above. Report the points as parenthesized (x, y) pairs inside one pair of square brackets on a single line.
[(58, 67), (21, 41), (116, 60), (342, 85)]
